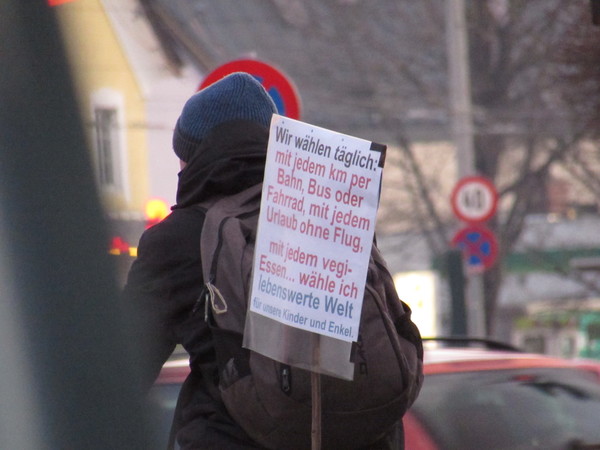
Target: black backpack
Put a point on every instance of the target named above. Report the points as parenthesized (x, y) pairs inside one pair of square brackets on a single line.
[(271, 401)]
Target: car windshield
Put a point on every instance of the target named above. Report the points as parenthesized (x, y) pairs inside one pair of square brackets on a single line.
[(511, 409)]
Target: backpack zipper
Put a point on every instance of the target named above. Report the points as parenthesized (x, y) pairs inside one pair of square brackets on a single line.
[(286, 378)]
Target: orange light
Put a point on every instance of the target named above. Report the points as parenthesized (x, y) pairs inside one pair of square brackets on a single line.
[(156, 210), (118, 246)]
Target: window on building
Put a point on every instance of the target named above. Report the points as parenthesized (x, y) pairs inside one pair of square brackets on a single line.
[(107, 144), (109, 140)]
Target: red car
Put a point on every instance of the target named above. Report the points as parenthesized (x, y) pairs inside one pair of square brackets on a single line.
[(486, 396), (493, 397)]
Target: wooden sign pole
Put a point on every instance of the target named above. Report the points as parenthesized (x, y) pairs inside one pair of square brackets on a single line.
[(315, 377)]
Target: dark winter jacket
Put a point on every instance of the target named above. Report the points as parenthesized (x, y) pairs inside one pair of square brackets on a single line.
[(165, 281)]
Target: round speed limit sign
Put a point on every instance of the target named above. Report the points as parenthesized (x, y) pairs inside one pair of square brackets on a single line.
[(474, 199)]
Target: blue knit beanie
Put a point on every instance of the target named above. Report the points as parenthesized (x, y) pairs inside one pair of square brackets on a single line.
[(236, 96)]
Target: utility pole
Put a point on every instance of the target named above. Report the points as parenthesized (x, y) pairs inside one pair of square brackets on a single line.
[(462, 131), (460, 86)]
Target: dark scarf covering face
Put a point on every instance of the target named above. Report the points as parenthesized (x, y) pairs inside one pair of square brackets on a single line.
[(230, 159)]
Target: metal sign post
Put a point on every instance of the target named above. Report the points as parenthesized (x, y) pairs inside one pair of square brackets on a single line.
[(480, 249), (461, 109), (316, 398), (474, 200)]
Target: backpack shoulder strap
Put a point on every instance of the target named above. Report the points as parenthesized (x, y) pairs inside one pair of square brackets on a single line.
[(228, 223), (217, 213)]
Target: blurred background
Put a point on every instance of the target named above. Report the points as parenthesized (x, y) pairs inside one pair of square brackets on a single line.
[(489, 213), (500, 89)]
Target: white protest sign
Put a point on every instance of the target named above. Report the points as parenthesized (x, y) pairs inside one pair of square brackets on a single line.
[(316, 225)]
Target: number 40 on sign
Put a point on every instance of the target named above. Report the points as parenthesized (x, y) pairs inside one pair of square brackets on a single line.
[(474, 199)]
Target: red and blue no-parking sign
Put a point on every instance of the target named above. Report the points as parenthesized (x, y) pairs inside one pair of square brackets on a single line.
[(479, 247), (277, 84)]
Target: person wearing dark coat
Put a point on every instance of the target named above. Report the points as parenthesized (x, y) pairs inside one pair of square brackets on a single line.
[(221, 140)]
